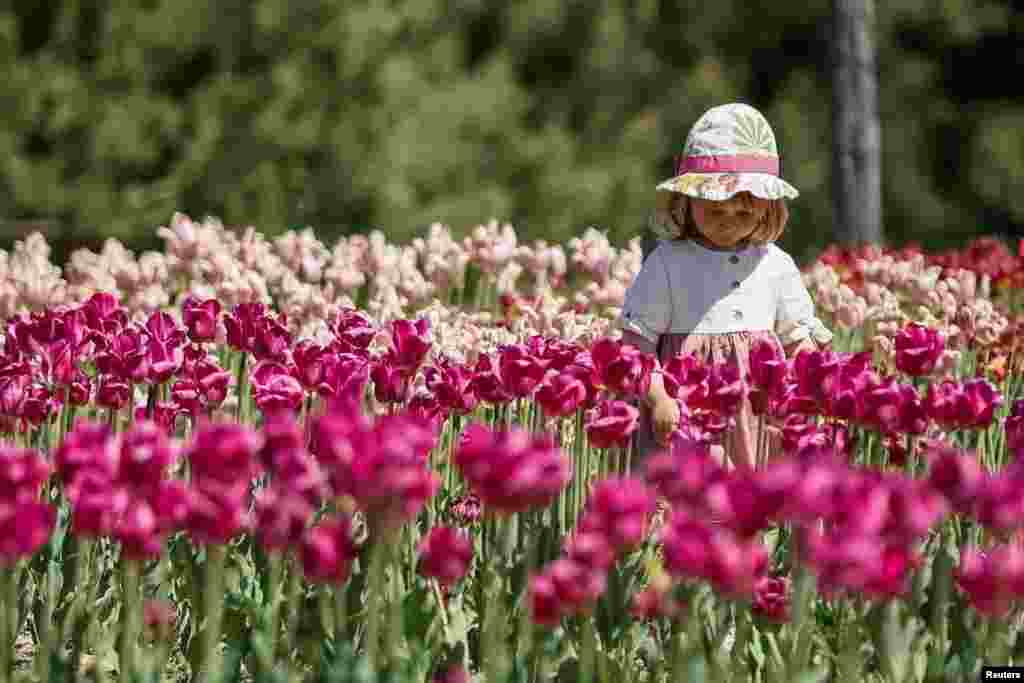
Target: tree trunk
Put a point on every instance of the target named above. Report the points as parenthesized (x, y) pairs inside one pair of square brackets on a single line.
[(856, 164)]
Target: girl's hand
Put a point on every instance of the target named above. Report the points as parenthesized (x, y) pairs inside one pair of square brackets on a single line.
[(665, 418), (800, 347)]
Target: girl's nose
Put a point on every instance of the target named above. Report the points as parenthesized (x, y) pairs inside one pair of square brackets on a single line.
[(733, 210)]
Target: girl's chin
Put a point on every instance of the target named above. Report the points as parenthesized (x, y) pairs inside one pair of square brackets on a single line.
[(728, 240), (725, 243)]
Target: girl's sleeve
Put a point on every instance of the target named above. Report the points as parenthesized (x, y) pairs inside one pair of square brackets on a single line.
[(795, 320), (647, 308)]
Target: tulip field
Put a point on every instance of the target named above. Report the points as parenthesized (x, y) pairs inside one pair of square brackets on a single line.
[(255, 459)]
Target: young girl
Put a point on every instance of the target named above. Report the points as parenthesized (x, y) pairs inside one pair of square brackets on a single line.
[(716, 283)]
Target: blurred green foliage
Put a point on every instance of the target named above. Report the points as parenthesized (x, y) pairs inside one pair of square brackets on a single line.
[(551, 115)]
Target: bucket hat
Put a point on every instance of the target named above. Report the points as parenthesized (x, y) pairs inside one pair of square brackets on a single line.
[(730, 149)]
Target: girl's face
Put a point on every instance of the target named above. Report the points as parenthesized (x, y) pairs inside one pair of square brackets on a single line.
[(729, 222)]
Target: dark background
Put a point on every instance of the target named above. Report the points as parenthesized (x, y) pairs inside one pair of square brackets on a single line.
[(551, 115)]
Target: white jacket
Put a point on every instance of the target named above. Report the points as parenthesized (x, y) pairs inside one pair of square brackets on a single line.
[(685, 288)]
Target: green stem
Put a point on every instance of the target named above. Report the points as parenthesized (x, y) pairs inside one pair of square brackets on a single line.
[(494, 653), (9, 592), (296, 600), (273, 618), (213, 605), (340, 595), (436, 589), (130, 607), (375, 593), (588, 654), (240, 411)]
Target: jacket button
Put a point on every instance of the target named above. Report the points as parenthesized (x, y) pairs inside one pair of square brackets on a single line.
[(735, 284), (734, 259), (738, 314)]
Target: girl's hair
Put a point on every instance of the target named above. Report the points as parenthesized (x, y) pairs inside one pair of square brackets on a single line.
[(664, 221)]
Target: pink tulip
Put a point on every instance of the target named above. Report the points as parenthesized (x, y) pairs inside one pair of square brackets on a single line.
[(163, 414), (353, 331), (545, 606), (561, 395), (113, 393), (814, 372), (859, 564), (241, 324), (445, 554), (382, 465), (310, 368), (452, 385), (682, 474), (218, 512), (590, 548), (719, 392), (772, 598), (213, 384), (161, 326), (970, 405), (998, 504), (521, 371), (328, 550), (918, 349), (281, 517), (694, 550), (893, 407), (623, 369), (956, 475), (345, 376), (273, 341), (410, 343), (88, 446), (390, 381), (466, 510), (22, 472), (25, 522), (428, 410), (487, 382), (678, 371), (982, 400), (992, 581), (224, 453), (124, 356), (25, 527), (163, 359), (611, 423), (767, 367), (146, 454), (104, 313), (200, 317), (619, 509), (97, 503), (513, 470), (138, 531), (748, 502), (274, 387), (576, 586)]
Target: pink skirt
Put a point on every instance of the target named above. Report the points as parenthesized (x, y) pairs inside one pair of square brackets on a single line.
[(740, 443)]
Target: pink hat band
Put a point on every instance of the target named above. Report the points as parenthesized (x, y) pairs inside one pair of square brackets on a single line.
[(727, 163)]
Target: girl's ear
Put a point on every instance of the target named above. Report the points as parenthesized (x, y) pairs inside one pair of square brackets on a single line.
[(773, 224)]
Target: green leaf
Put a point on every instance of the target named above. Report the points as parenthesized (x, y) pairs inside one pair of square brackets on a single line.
[(419, 613)]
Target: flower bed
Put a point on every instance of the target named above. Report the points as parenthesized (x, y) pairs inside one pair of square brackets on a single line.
[(271, 460)]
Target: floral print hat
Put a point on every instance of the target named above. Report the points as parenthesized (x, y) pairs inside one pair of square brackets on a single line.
[(730, 149)]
